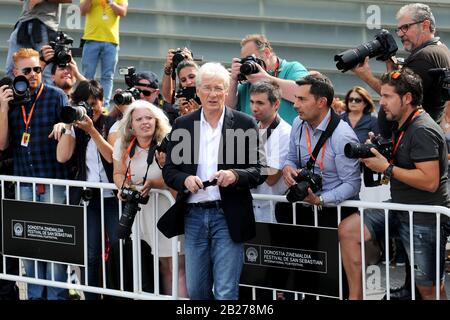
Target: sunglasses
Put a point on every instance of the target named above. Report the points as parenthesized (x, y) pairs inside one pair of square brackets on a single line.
[(395, 74), (355, 100), (147, 93), (405, 27), (28, 70)]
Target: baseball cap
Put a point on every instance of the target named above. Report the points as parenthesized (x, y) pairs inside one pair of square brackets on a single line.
[(150, 76)]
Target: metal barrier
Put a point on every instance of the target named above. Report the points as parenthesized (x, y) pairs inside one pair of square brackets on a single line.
[(137, 292), (362, 206)]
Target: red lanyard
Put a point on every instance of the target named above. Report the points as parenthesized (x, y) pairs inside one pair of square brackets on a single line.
[(397, 144), (25, 120), (277, 69), (308, 142), (127, 155)]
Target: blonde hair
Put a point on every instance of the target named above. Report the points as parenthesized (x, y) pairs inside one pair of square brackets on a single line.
[(24, 53), (162, 127)]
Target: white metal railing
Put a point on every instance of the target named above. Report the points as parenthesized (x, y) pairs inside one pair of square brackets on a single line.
[(386, 206), (137, 292)]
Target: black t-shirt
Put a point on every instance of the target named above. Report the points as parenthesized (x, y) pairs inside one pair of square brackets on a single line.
[(434, 55), (423, 141), (431, 56)]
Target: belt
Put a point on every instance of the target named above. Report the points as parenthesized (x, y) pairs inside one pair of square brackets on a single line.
[(206, 205)]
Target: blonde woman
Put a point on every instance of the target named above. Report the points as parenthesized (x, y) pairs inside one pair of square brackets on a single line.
[(144, 126)]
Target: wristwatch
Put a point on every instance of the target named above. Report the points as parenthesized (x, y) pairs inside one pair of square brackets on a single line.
[(320, 202), (387, 174)]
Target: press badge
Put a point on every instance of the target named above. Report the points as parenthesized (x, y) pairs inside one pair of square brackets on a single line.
[(105, 16), (25, 139)]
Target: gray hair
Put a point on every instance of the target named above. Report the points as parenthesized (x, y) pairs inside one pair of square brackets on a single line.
[(271, 88), (418, 12), (213, 69)]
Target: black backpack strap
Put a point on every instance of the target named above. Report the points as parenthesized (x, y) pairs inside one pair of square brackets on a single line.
[(334, 122)]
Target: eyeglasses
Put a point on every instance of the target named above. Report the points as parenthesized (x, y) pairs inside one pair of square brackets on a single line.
[(355, 100), (208, 90), (404, 28), (147, 93), (27, 71)]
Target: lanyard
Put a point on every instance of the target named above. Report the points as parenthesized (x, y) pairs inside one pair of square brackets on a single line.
[(308, 142), (277, 69), (128, 155), (25, 120), (397, 144)]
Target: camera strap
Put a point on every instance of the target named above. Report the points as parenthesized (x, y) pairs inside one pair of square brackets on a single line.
[(26, 119), (430, 42), (334, 122), (268, 132), (131, 154)]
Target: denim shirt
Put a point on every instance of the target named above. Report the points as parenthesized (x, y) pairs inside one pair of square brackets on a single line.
[(341, 175)]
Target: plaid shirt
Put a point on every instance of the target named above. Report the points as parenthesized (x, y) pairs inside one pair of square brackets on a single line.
[(39, 158)]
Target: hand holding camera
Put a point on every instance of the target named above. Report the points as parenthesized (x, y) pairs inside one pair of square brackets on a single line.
[(20, 88), (132, 199), (248, 66), (6, 95), (307, 184)]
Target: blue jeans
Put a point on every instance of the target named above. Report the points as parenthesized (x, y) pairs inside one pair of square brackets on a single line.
[(13, 46), (213, 260), (44, 269), (111, 219), (424, 237), (108, 54)]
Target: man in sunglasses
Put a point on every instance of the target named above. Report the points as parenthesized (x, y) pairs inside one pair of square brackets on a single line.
[(148, 84), (416, 26), (31, 129), (418, 175)]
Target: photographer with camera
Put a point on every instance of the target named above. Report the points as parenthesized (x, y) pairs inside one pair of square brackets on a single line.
[(35, 27), (93, 162), (418, 175), (101, 36), (322, 176), (136, 171), (31, 127), (258, 61), (416, 29), (173, 59), (63, 75)]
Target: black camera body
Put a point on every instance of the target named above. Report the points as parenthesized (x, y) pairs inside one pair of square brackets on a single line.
[(305, 179), (249, 66), (126, 97), (76, 112), (382, 47), (443, 75), (178, 56), (62, 46), (132, 200), (188, 93), (20, 88), (162, 146), (355, 150)]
